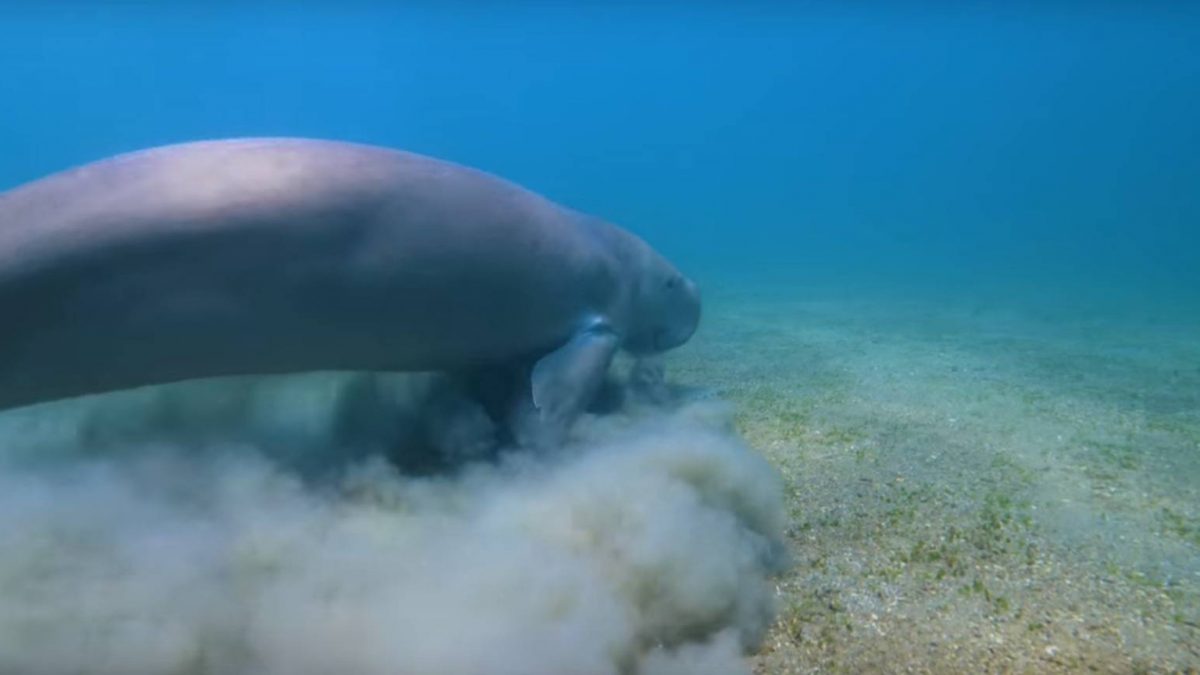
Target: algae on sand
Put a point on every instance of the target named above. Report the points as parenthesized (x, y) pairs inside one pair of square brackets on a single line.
[(969, 491)]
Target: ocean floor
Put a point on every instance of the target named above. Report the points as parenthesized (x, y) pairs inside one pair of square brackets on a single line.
[(972, 485)]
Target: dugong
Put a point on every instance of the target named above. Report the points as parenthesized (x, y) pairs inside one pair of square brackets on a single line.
[(279, 255)]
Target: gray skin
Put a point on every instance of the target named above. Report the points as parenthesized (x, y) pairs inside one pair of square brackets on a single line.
[(261, 256)]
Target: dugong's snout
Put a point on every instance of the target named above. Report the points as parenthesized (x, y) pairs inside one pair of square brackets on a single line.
[(681, 316), (666, 311)]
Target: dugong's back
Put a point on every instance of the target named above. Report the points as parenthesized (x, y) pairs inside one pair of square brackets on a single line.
[(274, 255)]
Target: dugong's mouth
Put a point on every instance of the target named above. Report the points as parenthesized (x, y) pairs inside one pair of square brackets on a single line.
[(661, 340), (665, 338)]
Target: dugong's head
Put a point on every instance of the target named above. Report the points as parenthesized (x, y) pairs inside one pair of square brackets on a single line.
[(664, 308)]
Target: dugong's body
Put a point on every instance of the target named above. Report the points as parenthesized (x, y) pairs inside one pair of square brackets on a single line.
[(264, 256)]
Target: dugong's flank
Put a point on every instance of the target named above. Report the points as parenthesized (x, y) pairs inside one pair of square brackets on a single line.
[(258, 256)]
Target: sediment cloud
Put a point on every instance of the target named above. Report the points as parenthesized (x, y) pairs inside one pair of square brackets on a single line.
[(255, 527)]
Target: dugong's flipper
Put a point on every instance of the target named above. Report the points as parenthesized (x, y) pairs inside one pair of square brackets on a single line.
[(562, 384)]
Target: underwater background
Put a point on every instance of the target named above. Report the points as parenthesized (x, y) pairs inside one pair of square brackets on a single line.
[(950, 254), (1040, 143)]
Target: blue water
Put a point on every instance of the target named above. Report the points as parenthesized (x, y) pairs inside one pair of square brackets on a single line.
[(1052, 145)]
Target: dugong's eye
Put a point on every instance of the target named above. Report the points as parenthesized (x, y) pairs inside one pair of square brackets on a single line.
[(671, 283)]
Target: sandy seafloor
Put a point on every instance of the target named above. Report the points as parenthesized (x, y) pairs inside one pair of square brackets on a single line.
[(975, 482), (973, 485)]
